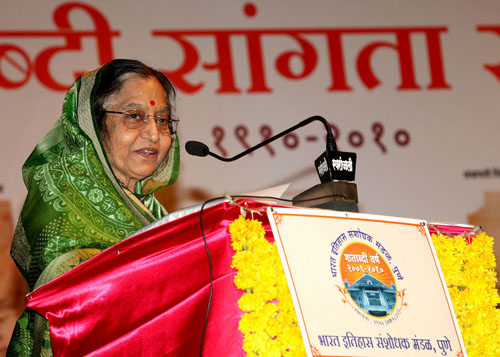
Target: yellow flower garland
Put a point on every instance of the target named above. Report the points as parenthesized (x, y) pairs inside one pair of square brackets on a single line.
[(269, 322), (469, 271)]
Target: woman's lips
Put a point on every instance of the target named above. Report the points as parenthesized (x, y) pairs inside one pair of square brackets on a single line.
[(148, 153)]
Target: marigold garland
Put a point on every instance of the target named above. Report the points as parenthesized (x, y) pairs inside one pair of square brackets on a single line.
[(269, 322), (469, 271)]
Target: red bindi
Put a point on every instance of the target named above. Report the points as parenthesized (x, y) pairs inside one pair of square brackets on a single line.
[(152, 102)]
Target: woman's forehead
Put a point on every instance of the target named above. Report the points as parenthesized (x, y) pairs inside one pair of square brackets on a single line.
[(140, 92), (141, 106)]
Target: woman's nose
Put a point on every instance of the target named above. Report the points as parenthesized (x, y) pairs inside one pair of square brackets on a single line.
[(150, 130)]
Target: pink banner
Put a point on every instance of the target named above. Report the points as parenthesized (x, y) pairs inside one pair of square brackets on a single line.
[(148, 294)]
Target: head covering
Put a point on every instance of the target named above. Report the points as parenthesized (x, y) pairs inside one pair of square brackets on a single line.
[(74, 199)]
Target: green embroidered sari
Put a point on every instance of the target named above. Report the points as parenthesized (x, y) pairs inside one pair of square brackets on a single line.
[(75, 205)]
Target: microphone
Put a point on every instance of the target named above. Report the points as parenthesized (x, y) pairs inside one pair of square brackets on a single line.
[(197, 148), (330, 165), (334, 168)]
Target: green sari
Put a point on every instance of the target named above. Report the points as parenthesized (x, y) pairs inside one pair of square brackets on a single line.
[(75, 207)]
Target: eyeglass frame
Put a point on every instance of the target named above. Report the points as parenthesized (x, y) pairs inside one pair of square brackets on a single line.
[(170, 120)]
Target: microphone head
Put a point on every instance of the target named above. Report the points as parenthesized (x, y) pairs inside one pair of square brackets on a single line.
[(196, 148)]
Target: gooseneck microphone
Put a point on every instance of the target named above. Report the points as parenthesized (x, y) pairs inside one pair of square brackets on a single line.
[(197, 148)]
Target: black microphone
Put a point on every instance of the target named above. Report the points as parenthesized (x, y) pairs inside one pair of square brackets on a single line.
[(197, 148)]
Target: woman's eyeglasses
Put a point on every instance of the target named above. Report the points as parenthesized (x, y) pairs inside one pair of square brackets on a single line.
[(137, 119)]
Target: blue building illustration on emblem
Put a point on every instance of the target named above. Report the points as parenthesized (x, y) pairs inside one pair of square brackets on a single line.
[(374, 297)]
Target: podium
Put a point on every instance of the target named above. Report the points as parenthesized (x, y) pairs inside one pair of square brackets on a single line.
[(148, 294)]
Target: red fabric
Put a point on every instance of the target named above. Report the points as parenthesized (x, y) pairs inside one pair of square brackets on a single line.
[(453, 230), (150, 298)]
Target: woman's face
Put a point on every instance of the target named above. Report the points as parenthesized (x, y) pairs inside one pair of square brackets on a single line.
[(135, 153)]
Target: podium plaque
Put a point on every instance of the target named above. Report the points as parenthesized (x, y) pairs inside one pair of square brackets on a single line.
[(365, 285)]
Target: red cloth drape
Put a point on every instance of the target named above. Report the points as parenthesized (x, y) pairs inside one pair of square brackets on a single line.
[(452, 230), (148, 294)]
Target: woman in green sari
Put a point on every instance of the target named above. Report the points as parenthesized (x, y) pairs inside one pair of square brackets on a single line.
[(91, 179)]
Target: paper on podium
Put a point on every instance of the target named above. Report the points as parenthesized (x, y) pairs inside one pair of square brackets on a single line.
[(267, 194)]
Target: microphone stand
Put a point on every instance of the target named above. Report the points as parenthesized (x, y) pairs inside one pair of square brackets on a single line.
[(335, 195), (331, 146)]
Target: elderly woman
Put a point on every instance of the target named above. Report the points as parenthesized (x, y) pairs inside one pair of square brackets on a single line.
[(91, 179)]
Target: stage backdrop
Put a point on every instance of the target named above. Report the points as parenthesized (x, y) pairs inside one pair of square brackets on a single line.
[(411, 86)]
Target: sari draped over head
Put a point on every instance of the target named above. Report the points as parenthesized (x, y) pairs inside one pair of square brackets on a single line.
[(75, 206)]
